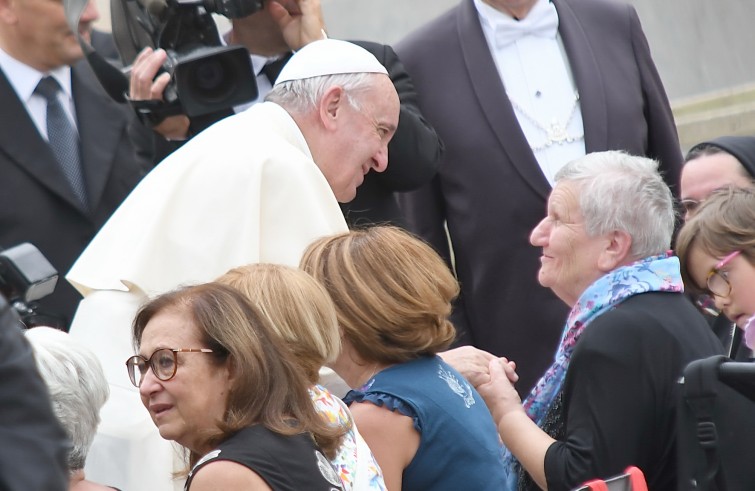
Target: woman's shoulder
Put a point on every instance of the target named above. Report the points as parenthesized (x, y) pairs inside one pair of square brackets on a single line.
[(284, 462), (330, 407), (226, 474)]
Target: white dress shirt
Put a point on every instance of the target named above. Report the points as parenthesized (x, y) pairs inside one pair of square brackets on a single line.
[(537, 78), (24, 80)]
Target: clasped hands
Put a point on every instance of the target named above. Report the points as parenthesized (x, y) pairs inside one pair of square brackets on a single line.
[(493, 377)]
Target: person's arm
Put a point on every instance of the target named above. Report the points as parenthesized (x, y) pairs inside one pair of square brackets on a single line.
[(390, 435), (663, 140), (519, 433), (474, 363), (613, 395), (224, 475), (300, 21), (33, 447)]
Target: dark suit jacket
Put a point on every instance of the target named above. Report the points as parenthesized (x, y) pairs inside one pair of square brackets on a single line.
[(413, 152), (36, 203), (489, 187), (33, 446)]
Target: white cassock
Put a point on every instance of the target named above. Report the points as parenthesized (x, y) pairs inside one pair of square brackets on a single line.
[(246, 190)]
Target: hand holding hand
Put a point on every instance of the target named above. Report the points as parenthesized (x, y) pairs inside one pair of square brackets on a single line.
[(300, 21), (469, 361), (498, 392)]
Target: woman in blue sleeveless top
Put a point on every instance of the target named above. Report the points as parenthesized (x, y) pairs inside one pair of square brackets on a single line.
[(428, 427)]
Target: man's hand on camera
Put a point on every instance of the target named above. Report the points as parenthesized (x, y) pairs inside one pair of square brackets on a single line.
[(300, 21), (144, 86)]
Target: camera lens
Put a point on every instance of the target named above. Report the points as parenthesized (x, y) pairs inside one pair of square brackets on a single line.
[(211, 80)]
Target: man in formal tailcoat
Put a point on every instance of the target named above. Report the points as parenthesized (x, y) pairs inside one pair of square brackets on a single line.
[(516, 89)]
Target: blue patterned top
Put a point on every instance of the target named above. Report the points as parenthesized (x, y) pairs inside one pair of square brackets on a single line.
[(459, 445)]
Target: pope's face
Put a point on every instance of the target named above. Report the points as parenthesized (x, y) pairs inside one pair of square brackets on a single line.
[(363, 138)]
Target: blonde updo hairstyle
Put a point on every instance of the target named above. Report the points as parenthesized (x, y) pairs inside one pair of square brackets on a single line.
[(299, 310), (392, 292)]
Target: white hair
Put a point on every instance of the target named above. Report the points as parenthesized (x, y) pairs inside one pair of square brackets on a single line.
[(301, 96), (618, 191), (77, 385)]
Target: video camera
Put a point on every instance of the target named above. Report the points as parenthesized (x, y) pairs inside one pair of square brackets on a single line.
[(206, 76), (25, 277)]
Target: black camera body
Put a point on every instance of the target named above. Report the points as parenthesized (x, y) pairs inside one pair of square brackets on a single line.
[(25, 277), (206, 76)]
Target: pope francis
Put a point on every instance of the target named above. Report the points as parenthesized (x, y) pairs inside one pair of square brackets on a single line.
[(255, 187)]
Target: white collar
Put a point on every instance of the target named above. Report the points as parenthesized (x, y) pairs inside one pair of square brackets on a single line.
[(542, 20), (24, 79)]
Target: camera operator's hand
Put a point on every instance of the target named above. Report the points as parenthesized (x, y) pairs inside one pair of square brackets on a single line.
[(300, 21), (144, 86)]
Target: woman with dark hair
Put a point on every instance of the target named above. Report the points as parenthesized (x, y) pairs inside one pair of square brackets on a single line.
[(428, 428), (216, 380)]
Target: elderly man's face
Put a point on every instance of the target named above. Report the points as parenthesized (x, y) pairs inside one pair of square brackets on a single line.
[(568, 264), (363, 139), (36, 33), (703, 175)]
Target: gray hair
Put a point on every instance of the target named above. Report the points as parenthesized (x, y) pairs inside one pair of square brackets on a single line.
[(618, 191), (301, 96), (77, 385)]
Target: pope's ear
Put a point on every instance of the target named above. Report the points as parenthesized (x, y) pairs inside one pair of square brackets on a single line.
[(330, 106), (616, 251)]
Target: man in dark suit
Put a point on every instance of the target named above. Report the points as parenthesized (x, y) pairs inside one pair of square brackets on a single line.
[(270, 35), (38, 201), (33, 446), (485, 75)]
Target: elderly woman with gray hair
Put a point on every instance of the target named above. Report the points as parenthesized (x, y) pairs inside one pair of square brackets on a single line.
[(78, 390), (608, 401)]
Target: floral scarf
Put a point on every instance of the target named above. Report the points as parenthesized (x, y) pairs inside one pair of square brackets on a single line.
[(652, 274)]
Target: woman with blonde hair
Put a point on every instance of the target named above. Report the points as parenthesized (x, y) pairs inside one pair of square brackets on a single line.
[(428, 428), (301, 313)]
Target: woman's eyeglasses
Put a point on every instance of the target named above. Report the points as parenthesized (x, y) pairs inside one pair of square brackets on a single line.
[(164, 363), (717, 281)]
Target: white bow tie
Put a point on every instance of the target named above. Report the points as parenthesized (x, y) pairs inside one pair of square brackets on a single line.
[(542, 22)]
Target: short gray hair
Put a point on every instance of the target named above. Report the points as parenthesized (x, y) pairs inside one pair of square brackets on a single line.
[(618, 191), (301, 96), (77, 385)]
